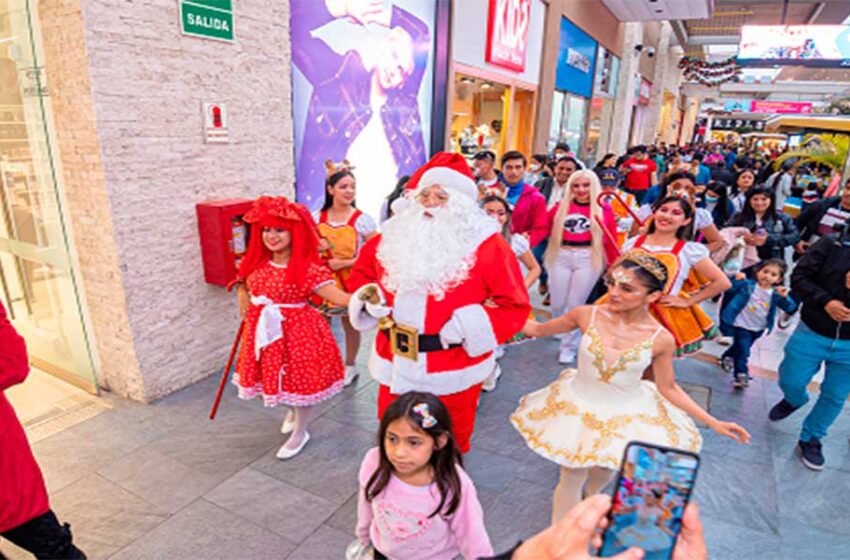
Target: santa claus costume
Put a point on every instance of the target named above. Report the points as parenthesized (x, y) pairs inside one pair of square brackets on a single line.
[(289, 355), (450, 292)]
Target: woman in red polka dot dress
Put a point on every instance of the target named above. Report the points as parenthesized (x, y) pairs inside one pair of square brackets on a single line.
[(289, 355)]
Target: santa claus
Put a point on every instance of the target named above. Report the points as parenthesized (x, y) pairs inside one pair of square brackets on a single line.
[(444, 289)]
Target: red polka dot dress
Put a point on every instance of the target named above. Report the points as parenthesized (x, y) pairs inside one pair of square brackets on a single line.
[(302, 367)]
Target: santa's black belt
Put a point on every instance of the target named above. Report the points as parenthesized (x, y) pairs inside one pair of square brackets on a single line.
[(408, 343)]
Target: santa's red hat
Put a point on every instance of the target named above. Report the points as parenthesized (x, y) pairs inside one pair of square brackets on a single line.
[(448, 170)]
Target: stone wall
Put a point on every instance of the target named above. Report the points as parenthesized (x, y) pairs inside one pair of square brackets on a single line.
[(83, 183), (148, 83)]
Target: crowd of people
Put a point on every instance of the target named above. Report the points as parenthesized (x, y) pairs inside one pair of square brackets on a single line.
[(625, 255)]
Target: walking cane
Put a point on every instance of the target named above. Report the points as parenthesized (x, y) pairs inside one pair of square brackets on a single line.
[(226, 373)]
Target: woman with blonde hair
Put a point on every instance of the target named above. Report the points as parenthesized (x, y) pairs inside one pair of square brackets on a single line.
[(578, 250)]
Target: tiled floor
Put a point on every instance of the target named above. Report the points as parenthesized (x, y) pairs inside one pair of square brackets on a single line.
[(162, 481)]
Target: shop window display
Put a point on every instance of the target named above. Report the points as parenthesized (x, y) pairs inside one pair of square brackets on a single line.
[(479, 109)]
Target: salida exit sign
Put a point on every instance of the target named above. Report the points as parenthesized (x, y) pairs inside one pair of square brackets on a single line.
[(210, 19)]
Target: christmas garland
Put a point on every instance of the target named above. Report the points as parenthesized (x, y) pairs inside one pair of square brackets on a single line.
[(709, 73)]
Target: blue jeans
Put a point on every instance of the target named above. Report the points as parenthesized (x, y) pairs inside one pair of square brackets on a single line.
[(742, 343), (804, 354), (539, 251)]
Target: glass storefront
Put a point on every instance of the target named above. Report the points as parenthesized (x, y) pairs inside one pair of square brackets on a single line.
[(569, 114), (37, 281), (488, 115), (601, 118), (479, 109)]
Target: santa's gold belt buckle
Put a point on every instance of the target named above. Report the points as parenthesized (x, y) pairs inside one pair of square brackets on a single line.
[(404, 341)]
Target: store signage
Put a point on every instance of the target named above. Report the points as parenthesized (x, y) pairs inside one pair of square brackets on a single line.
[(800, 45), (781, 107), (507, 33), (734, 124), (215, 123), (737, 105), (576, 60), (210, 19)]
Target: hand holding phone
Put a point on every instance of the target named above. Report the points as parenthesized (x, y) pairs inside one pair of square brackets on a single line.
[(650, 500)]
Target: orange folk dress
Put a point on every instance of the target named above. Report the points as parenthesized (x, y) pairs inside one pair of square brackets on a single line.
[(289, 355), (690, 326)]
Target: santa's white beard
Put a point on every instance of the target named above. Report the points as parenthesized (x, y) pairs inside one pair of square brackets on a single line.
[(433, 253)]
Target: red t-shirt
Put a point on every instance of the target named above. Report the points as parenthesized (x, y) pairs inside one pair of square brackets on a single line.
[(639, 174)]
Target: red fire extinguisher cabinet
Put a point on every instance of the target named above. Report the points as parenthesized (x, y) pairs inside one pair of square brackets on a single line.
[(224, 237)]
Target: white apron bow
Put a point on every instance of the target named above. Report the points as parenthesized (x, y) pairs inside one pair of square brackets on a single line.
[(270, 323)]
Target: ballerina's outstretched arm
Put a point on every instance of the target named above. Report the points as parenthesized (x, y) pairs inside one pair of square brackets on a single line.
[(576, 318), (662, 365)]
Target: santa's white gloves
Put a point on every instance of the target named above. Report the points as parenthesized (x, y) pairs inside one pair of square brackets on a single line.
[(469, 326), (364, 315)]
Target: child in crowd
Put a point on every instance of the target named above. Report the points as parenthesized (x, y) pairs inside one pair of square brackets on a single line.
[(416, 501), (343, 229), (749, 311), (498, 208)]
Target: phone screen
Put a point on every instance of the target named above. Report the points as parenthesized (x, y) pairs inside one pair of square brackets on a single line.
[(654, 487)]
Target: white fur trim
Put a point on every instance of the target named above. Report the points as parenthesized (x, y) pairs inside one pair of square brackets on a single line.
[(478, 335), (357, 314), (402, 375), (450, 180)]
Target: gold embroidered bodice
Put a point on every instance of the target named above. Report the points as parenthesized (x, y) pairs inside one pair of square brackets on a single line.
[(601, 376)]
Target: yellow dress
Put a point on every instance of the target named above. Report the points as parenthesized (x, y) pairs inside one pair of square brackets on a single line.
[(588, 415)]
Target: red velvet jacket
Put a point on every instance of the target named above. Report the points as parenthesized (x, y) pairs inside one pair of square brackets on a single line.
[(23, 495)]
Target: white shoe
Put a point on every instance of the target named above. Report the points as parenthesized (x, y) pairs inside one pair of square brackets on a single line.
[(724, 340), (351, 374), (490, 382), (499, 352), (566, 357), (288, 424), (285, 453)]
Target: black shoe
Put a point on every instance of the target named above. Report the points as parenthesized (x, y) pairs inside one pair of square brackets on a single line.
[(811, 454), (781, 410), (742, 380)]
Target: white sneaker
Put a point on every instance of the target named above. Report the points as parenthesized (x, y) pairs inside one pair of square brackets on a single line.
[(285, 453), (724, 340), (288, 423), (499, 352), (566, 357), (490, 382), (351, 374)]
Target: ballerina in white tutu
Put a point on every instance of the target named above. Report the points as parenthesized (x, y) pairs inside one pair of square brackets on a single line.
[(584, 419)]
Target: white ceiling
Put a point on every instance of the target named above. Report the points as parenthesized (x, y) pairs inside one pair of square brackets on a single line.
[(644, 10)]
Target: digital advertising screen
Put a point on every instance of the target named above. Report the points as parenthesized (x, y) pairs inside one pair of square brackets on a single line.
[(363, 92), (803, 45)]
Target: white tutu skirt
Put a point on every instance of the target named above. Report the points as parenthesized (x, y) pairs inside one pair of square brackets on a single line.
[(565, 425)]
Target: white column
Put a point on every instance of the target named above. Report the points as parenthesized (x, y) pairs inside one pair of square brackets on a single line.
[(664, 65), (626, 84)]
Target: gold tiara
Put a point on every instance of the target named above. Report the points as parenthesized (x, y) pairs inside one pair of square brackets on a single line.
[(331, 167), (648, 263)]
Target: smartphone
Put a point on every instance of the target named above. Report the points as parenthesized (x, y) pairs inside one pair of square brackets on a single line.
[(653, 489)]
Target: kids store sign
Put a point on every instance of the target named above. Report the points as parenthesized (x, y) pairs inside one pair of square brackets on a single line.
[(507, 33)]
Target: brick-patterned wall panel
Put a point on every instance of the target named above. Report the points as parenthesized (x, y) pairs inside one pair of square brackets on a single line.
[(148, 83), (84, 186)]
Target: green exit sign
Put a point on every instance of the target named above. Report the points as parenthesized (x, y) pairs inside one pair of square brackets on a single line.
[(210, 19)]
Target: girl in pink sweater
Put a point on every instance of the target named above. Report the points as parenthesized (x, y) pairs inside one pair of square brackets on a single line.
[(416, 501)]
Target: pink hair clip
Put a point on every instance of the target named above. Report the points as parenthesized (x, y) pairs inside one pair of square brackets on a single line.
[(422, 410)]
